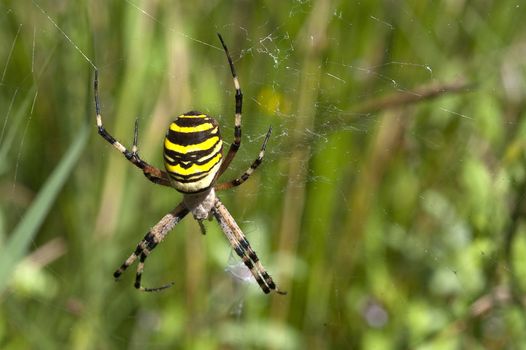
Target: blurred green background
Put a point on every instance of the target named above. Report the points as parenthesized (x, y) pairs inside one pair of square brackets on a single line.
[(389, 205)]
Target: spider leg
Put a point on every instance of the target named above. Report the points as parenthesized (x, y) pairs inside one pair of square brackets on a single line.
[(249, 171), (239, 105), (149, 242), (243, 249), (202, 226), (153, 174)]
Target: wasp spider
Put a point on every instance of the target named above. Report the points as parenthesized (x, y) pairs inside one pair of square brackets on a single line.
[(193, 158)]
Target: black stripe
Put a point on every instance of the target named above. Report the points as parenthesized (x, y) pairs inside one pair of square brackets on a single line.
[(187, 178), (262, 284), (191, 122), (239, 251), (190, 138), (189, 156), (178, 158), (150, 241), (269, 280), (244, 243), (248, 263), (106, 136), (251, 252), (239, 101), (193, 113), (189, 164), (119, 272)]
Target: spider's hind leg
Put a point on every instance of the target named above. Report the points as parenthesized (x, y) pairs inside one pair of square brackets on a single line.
[(138, 275), (243, 249), (149, 242)]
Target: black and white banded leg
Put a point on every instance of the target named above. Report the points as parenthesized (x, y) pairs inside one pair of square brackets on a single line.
[(149, 242), (243, 249), (238, 181), (237, 122), (153, 174)]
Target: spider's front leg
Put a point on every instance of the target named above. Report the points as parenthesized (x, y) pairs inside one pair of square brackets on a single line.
[(238, 181), (153, 174), (149, 242), (234, 147)]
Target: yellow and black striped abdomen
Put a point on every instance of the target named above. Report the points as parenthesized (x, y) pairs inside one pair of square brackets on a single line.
[(193, 152)]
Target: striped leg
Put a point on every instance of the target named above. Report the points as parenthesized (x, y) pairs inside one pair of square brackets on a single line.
[(246, 174), (153, 174), (243, 249), (237, 123), (149, 242)]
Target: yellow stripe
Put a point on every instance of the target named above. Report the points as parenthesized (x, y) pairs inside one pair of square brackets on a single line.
[(195, 168), (203, 146), (216, 149), (185, 129), (193, 116)]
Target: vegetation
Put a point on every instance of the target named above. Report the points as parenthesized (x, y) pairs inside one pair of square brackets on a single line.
[(389, 205)]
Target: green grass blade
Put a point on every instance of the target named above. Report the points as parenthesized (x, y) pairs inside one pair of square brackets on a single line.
[(7, 139), (27, 228)]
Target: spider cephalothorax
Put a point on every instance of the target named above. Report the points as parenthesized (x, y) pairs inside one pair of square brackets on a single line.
[(193, 159)]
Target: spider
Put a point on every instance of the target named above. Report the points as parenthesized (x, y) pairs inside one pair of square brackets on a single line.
[(193, 159)]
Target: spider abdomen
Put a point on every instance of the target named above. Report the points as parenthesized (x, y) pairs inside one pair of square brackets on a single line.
[(193, 152)]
